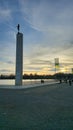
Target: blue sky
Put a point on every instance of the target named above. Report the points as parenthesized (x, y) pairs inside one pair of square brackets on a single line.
[(47, 26)]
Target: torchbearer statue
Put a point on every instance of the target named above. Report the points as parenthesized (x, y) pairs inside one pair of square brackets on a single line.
[(18, 27)]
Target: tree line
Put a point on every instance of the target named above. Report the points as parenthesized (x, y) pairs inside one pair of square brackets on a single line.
[(36, 76)]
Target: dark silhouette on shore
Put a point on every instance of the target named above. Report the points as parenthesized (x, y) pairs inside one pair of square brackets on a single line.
[(70, 82)]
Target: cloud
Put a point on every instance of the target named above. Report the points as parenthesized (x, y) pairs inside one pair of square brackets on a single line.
[(46, 52), (4, 70), (6, 61), (51, 18), (40, 62), (44, 14), (49, 33), (5, 14), (44, 57), (32, 12), (7, 56)]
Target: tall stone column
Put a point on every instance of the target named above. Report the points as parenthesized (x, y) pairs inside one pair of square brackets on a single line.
[(19, 58)]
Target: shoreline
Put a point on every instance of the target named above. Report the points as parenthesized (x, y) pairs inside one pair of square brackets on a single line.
[(26, 86)]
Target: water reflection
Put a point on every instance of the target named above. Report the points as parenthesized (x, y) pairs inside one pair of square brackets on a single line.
[(25, 82)]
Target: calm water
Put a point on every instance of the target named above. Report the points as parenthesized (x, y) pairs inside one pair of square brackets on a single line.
[(25, 82)]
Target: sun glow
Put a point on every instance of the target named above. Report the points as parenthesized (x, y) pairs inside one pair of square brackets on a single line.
[(64, 70)]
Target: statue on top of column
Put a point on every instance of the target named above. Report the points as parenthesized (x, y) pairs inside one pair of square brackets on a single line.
[(18, 27)]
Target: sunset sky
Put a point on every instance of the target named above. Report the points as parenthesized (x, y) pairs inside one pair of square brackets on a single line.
[(47, 26)]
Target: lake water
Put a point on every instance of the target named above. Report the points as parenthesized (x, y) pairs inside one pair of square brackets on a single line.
[(26, 82)]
